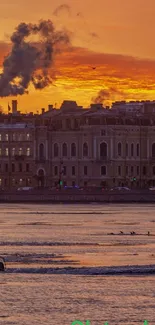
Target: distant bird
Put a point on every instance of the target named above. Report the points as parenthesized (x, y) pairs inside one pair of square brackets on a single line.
[(121, 232), (148, 233), (132, 233), (93, 68)]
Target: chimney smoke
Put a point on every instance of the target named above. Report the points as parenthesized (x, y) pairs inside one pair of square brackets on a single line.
[(31, 62)]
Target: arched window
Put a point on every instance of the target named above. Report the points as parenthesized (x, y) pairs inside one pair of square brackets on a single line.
[(144, 170), (119, 149), (137, 149), (103, 170), (73, 150), (41, 151), (41, 172), (153, 170), (56, 150), (20, 151), (132, 150), (55, 170), (85, 150), (153, 150), (64, 150), (103, 150), (126, 149)]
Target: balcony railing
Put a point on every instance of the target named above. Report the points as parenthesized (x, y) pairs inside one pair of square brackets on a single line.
[(19, 157), (102, 159), (40, 160)]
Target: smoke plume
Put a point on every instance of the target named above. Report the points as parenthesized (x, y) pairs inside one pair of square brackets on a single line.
[(108, 95), (60, 9), (30, 62)]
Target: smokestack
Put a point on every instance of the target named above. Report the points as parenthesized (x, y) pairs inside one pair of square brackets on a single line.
[(50, 107), (14, 106), (43, 110)]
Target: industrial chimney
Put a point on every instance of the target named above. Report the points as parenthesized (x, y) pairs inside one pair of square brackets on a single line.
[(50, 107), (14, 106)]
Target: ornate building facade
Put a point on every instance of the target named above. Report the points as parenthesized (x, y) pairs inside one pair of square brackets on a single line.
[(78, 147)]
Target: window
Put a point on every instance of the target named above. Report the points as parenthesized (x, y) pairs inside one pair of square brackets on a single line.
[(131, 170), (28, 181), (13, 168), (20, 151), (28, 136), (64, 150), (20, 137), (137, 149), (137, 170), (20, 167), (119, 149), (153, 150), (6, 151), (20, 181), (56, 150), (64, 170), (55, 170), (73, 170), (0, 137), (132, 150), (126, 170), (103, 170), (27, 168), (14, 137), (144, 170), (126, 149), (0, 182), (6, 168), (13, 151), (103, 132), (103, 150), (28, 152), (85, 183), (0, 151), (41, 151), (13, 182), (73, 150), (153, 170), (5, 181), (6, 137), (73, 183), (85, 170), (119, 170), (85, 150)]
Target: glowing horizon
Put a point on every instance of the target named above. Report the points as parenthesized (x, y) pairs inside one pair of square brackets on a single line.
[(105, 37)]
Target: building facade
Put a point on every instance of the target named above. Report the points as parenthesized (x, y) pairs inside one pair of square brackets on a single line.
[(79, 147)]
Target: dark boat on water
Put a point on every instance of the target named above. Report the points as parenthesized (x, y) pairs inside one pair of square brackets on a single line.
[(2, 265)]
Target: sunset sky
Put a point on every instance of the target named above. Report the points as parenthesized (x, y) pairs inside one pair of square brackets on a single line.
[(115, 36)]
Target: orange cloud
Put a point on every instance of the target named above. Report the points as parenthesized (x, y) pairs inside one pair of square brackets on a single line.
[(115, 77)]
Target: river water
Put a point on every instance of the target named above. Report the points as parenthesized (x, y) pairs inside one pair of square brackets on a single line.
[(77, 262)]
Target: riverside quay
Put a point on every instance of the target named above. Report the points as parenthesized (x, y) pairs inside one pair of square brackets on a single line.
[(75, 146)]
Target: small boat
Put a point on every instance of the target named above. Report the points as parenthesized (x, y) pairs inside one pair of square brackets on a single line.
[(2, 265)]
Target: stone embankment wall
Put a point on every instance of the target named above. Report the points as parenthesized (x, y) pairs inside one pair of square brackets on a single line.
[(81, 197)]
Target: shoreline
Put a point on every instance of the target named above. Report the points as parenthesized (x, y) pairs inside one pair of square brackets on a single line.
[(108, 197)]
